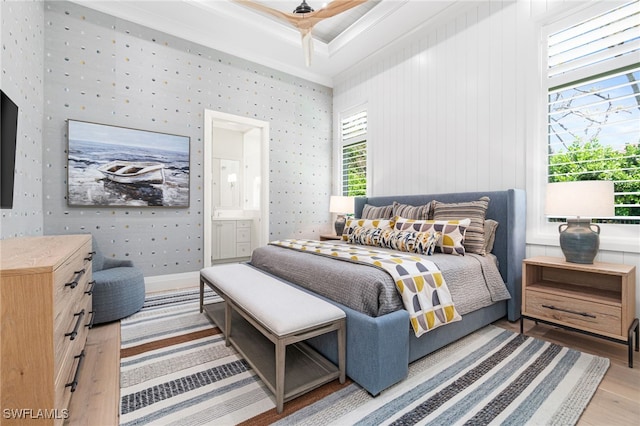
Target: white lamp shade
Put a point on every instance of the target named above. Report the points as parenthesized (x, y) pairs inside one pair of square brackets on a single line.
[(341, 205), (588, 198)]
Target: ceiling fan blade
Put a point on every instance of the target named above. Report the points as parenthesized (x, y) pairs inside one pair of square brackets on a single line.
[(336, 7), (304, 22)]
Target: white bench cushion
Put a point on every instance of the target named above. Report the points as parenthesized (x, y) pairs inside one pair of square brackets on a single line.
[(279, 307)]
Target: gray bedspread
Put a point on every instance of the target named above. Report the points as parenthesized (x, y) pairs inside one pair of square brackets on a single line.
[(474, 281)]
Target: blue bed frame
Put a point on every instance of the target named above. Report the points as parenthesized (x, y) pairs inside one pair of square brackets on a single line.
[(380, 349)]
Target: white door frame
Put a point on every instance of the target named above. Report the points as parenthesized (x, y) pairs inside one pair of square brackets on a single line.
[(210, 119)]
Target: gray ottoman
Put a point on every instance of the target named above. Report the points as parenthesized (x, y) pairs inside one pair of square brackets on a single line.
[(119, 288)]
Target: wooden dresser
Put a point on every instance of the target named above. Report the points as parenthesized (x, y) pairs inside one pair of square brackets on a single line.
[(45, 304)]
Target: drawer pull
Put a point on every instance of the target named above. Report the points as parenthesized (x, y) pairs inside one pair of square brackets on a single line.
[(93, 315), (89, 258), (90, 291), (74, 333), (74, 283), (583, 314), (74, 383)]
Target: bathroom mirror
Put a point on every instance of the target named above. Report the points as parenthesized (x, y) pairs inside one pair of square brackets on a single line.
[(230, 183)]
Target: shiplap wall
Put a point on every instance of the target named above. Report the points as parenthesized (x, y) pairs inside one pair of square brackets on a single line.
[(445, 105), (450, 106)]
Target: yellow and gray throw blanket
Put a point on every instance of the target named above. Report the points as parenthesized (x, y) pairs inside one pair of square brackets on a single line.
[(419, 281)]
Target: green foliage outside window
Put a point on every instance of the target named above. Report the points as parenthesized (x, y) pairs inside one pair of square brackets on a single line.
[(593, 161), (354, 171)]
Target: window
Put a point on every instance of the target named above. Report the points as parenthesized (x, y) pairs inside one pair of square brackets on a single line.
[(353, 130), (593, 115)]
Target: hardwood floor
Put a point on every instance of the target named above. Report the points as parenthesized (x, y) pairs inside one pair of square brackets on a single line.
[(96, 400), (616, 402)]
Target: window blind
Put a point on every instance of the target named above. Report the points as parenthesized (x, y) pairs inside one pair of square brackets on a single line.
[(354, 127), (610, 35)]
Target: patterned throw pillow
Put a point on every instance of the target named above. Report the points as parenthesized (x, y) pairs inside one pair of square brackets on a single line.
[(407, 241), (412, 212), (428, 246), (371, 212), (365, 236), (352, 224), (452, 232), (474, 240)]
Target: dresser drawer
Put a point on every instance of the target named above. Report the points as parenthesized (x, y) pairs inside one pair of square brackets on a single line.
[(583, 314), (71, 282), (70, 279), (75, 319), (68, 361), (73, 369)]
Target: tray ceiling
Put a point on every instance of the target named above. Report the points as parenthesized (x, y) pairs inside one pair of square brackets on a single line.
[(339, 42)]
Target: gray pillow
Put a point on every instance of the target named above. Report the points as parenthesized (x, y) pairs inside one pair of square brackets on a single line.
[(490, 227), (372, 212), (412, 212), (474, 241)]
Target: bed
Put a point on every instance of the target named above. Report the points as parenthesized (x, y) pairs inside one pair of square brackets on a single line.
[(381, 343)]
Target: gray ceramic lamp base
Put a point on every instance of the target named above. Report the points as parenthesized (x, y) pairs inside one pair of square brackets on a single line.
[(579, 241), (339, 225)]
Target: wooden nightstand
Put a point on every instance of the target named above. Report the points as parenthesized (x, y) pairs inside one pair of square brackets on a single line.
[(328, 237), (597, 299)]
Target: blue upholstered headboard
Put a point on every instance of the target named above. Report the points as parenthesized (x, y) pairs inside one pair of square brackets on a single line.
[(508, 208)]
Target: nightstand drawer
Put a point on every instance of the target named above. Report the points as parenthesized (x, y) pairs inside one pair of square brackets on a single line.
[(590, 316)]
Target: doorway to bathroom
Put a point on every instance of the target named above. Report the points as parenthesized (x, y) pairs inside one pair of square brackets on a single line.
[(236, 186)]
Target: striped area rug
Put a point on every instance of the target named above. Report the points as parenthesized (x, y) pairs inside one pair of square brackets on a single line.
[(176, 370)]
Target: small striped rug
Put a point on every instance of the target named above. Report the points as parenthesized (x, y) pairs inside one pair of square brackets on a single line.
[(176, 370)]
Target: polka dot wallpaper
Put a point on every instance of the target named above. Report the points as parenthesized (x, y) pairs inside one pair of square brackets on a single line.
[(22, 43), (103, 69)]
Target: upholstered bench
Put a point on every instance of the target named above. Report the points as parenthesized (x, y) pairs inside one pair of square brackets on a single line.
[(285, 316)]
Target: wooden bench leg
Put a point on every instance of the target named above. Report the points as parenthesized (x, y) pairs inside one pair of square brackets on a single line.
[(342, 352), (281, 352)]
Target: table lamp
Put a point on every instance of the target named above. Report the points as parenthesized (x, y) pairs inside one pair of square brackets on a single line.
[(340, 205), (579, 238)]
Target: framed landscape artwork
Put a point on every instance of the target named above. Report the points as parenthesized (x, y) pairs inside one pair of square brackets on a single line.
[(117, 166)]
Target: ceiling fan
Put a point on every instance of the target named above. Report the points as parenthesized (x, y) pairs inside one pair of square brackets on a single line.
[(304, 18)]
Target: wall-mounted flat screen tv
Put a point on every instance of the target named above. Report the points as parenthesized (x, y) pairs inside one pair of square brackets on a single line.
[(8, 140), (122, 167)]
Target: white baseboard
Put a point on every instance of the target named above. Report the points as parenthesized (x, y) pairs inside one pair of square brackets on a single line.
[(171, 282)]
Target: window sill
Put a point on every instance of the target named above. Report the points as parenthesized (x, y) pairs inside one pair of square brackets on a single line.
[(627, 245)]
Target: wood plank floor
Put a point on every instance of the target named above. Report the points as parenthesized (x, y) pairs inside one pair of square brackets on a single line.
[(616, 402), (96, 400)]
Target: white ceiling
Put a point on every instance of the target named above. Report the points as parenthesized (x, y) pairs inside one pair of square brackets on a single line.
[(339, 42)]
